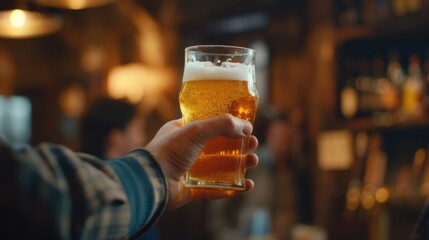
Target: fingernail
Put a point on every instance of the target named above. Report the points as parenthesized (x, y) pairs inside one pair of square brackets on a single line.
[(247, 128)]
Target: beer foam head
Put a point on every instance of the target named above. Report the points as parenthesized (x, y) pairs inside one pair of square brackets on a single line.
[(210, 71)]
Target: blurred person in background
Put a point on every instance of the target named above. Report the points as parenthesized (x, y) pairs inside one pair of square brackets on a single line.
[(281, 197), (51, 192), (110, 128), (292, 199)]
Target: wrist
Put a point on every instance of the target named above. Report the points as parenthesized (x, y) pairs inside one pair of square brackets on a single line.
[(145, 186)]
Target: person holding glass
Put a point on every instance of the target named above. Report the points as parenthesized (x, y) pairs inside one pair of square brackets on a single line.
[(51, 192)]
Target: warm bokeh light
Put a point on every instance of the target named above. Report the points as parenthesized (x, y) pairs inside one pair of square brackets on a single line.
[(367, 200), (350, 102), (381, 195), (353, 192), (122, 86), (424, 189), (326, 51), (335, 151), (19, 23), (74, 4), (17, 18), (93, 58), (352, 202), (72, 101), (134, 81)]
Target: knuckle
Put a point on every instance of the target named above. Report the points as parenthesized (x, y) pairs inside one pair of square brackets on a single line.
[(196, 128), (229, 120)]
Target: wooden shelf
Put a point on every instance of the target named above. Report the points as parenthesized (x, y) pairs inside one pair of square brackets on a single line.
[(354, 33), (405, 32), (400, 28), (380, 124)]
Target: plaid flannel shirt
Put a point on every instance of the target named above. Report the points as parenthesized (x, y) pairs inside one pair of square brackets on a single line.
[(50, 192)]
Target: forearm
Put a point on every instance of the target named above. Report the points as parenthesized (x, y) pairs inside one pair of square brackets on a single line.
[(55, 193), (145, 186)]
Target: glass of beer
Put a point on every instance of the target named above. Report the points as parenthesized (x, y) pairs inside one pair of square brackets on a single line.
[(217, 80)]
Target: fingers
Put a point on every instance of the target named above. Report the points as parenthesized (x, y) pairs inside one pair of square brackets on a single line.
[(179, 144), (250, 144), (251, 160), (249, 186), (223, 125), (202, 193), (185, 194), (173, 124)]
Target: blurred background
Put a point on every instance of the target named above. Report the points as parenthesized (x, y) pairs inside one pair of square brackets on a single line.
[(351, 76)]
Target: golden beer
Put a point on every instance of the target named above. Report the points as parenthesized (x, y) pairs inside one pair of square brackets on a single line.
[(208, 91)]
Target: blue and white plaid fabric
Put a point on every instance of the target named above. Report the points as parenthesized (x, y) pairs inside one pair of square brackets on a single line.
[(51, 192)]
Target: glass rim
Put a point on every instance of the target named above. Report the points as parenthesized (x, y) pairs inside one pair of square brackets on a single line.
[(243, 50)]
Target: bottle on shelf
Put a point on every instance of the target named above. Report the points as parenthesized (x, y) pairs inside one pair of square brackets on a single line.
[(349, 94), (366, 88), (374, 11), (395, 76), (369, 11), (349, 100), (426, 78), (424, 185), (348, 13), (413, 90), (367, 91), (382, 9), (417, 170), (412, 179), (373, 85), (400, 7), (414, 7), (374, 176), (383, 86), (353, 195)]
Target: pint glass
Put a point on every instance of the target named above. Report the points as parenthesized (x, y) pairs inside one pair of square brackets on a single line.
[(219, 80)]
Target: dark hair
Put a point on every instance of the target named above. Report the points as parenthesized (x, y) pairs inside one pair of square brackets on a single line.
[(103, 116), (264, 117)]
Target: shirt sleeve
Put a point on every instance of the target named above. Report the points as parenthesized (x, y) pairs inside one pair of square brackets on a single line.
[(50, 192)]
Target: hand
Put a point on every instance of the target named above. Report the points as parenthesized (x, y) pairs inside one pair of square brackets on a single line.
[(176, 147)]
